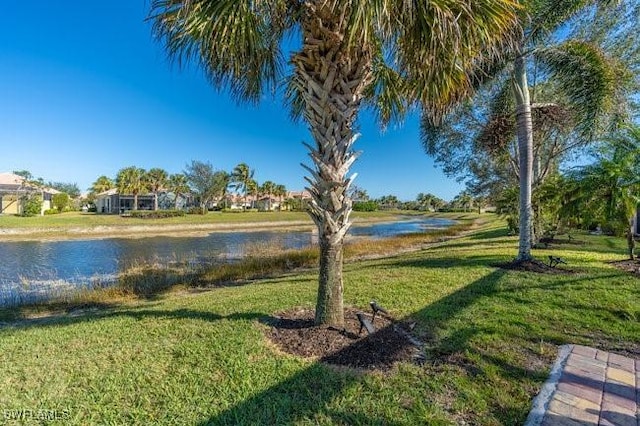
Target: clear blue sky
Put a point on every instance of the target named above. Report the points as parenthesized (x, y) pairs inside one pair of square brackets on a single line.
[(85, 91)]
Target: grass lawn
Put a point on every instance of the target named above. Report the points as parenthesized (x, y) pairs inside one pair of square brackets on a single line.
[(77, 219), (202, 358)]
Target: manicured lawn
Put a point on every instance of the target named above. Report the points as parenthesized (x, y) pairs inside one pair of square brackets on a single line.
[(201, 358), (76, 219)]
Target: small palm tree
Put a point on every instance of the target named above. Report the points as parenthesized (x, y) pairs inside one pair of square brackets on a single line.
[(156, 179), (102, 184), (242, 178), (612, 184), (351, 52), (268, 188), (130, 180), (179, 185)]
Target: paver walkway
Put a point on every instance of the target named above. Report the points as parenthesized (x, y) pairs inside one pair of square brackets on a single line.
[(589, 387)]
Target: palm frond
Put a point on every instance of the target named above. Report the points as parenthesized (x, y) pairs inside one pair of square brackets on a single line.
[(236, 42), (593, 83)]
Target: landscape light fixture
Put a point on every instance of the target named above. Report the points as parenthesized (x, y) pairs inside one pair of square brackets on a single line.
[(376, 308)]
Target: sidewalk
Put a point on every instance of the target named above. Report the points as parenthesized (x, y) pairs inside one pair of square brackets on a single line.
[(589, 387)]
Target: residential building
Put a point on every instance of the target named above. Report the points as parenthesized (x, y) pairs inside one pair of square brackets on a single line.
[(15, 189)]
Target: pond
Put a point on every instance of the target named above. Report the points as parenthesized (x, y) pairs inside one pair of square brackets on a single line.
[(31, 270)]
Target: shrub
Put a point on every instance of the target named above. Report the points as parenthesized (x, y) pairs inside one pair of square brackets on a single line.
[(365, 206), (60, 201), (32, 205), (158, 214), (50, 212), (196, 210)]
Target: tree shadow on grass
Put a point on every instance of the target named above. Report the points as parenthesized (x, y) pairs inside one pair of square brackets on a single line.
[(138, 314), (308, 394)]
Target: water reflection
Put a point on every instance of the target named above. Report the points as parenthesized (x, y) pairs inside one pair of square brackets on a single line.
[(41, 268)]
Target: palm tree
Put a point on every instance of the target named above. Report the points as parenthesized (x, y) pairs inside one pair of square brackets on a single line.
[(242, 178), (581, 73), (102, 184), (351, 52), (611, 186), (179, 185), (130, 180), (280, 191), (156, 179), (268, 188)]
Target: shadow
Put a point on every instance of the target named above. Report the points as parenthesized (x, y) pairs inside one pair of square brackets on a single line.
[(89, 316), (306, 395), (490, 234), (302, 398)]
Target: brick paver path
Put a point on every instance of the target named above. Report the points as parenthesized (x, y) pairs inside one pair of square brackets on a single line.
[(589, 387)]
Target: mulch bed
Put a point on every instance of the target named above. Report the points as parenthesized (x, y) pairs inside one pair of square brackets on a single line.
[(294, 332), (534, 266), (631, 266)]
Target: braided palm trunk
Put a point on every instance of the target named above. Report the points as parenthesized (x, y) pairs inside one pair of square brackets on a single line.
[(330, 76)]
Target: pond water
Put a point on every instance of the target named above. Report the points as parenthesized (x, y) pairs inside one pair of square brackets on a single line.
[(31, 270)]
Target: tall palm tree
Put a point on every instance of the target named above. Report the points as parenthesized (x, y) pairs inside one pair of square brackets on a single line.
[(280, 191), (156, 179), (268, 188), (351, 52), (102, 184), (179, 185), (589, 81), (130, 180), (242, 178)]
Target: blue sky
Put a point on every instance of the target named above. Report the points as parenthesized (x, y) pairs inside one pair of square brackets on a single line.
[(85, 91)]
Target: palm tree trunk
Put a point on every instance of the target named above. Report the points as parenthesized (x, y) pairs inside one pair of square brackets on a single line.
[(330, 76), (155, 201), (525, 147), (135, 201), (631, 243)]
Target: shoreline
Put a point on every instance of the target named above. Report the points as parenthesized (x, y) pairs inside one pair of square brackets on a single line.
[(156, 230)]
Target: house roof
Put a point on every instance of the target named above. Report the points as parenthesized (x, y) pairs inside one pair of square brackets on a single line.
[(11, 179)]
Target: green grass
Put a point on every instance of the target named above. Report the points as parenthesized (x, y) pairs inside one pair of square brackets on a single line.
[(201, 357), (77, 219)]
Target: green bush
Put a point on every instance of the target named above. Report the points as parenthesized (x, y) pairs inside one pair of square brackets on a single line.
[(60, 201), (32, 205), (196, 210), (365, 206), (158, 214), (50, 212)]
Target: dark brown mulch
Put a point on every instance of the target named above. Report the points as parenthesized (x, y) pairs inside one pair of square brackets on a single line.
[(535, 266), (293, 332), (632, 266)]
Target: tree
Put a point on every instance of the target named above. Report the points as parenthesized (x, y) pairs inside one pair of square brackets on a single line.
[(102, 184), (179, 185), (60, 201), (205, 182), (611, 186), (351, 52), (280, 192), (242, 180), (587, 84), (69, 188), (26, 174), (268, 188), (156, 179), (130, 180)]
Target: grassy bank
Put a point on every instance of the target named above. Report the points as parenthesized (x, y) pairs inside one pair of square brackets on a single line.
[(89, 220), (201, 357)]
